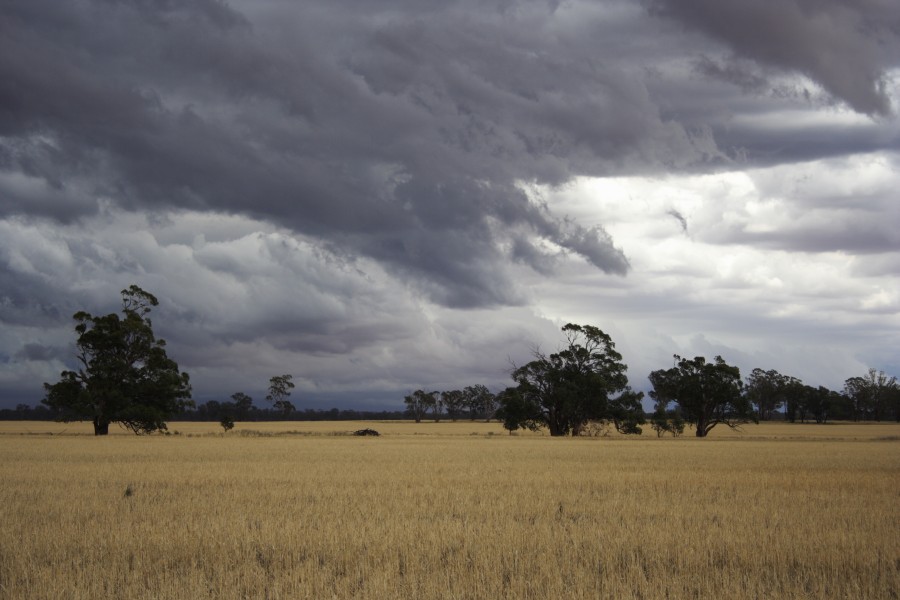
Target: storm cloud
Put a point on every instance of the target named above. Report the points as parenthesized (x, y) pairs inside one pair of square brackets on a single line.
[(408, 135)]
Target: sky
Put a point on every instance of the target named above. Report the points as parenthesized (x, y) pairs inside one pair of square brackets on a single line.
[(384, 195)]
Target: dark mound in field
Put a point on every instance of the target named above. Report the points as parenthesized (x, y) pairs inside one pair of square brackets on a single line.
[(366, 432)]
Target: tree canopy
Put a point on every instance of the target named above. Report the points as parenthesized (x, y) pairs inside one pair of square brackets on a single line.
[(124, 374), (876, 396), (280, 387), (567, 389), (765, 390), (708, 393), (418, 403)]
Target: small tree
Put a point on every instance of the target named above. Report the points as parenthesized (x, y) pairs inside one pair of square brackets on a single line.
[(124, 374), (279, 389), (707, 393), (664, 421), (227, 423)]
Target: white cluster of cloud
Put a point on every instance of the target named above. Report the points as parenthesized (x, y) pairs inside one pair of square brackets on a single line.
[(385, 195), (786, 267)]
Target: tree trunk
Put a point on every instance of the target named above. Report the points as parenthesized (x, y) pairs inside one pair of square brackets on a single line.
[(101, 426), (557, 429), (702, 428)]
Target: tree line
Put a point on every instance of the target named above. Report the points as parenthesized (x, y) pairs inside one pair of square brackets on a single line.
[(472, 402), (125, 376), (586, 382), (215, 411)]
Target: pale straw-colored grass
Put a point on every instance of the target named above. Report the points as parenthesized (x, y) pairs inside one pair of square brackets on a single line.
[(448, 511)]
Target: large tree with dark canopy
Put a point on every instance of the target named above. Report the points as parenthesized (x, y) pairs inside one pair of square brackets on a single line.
[(566, 390), (124, 374), (708, 393)]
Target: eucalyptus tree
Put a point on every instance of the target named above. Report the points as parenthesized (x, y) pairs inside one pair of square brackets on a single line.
[(765, 390), (480, 402), (707, 393), (585, 381), (454, 403), (875, 395), (418, 404), (280, 388), (124, 374)]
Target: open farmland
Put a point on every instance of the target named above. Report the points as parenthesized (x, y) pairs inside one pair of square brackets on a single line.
[(449, 510)]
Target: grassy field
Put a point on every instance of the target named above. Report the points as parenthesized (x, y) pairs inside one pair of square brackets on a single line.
[(448, 510)]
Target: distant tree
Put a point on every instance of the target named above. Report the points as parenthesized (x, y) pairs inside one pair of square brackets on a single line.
[(873, 396), (840, 408), (857, 391), (417, 404), (885, 391), (453, 401), (211, 410), (279, 389), (480, 402), (434, 404), (124, 374), (764, 389), (567, 389), (821, 404), (243, 404), (707, 393), (795, 399), (489, 404)]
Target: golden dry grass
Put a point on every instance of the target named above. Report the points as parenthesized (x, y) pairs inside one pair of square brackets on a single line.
[(433, 511)]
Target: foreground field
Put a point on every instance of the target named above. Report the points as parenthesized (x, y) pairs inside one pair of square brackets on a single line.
[(449, 511)]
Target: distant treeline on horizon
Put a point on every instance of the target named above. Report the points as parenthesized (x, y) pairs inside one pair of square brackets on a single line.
[(205, 412)]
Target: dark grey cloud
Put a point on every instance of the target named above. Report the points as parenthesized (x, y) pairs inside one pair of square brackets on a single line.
[(39, 352), (742, 74), (846, 47), (401, 133)]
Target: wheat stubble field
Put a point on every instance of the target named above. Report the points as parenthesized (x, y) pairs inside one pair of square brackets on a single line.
[(448, 511)]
